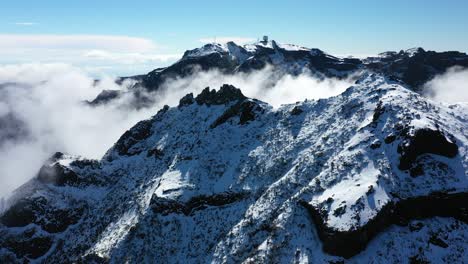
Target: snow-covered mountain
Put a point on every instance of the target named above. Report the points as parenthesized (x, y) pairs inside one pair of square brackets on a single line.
[(377, 174), (413, 67)]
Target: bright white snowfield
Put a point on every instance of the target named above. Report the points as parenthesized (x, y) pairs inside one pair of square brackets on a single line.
[(193, 189)]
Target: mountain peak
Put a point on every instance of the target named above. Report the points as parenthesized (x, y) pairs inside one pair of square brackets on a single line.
[(225, 94)]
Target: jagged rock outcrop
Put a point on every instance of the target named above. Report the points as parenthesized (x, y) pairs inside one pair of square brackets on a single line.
[(105, 96), (227, 93), (425, 141)]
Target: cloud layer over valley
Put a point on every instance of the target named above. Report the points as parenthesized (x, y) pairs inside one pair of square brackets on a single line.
[(42, 108)]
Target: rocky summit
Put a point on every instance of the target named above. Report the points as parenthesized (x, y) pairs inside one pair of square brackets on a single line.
[(377, 174)]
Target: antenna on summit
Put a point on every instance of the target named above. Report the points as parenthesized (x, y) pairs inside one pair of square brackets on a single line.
[(265, 40)]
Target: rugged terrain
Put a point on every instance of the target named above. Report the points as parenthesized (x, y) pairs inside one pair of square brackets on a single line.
[(413, 67), (377, 174)]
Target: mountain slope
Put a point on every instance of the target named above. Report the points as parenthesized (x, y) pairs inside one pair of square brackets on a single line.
[(225, 178)]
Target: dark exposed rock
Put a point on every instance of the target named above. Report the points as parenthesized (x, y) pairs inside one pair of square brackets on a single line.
[(38, 211), (30, 248), (21, 213), (435, 240), (105, 96), (379, 110), (389, 139), (163, 110), (296, 111), (375, 145), (227, 93), (370, 190), (425, 141), (416, 170), (86, 163), (418, 260), (155, 152), (166, 206), (416, 67), (58, 175), (60, 219), (186, 100), (350, 243), (339, 211), (245, 110), (56, 156), (413, 227), (140, 131)]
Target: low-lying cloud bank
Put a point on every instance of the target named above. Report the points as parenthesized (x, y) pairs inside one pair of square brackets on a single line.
[(42, 109), (450, 87), (47, 101), (265, 85)]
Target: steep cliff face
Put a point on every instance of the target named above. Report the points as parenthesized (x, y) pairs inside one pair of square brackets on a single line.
[(376, 174)]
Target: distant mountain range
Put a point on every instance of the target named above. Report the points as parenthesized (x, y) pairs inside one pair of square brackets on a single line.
[(377, 174), (413, 67)]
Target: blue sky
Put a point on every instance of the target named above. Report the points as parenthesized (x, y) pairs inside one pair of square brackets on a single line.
[(162, 30)]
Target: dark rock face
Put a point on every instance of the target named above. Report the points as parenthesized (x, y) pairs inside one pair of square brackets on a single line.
[(245, 110), (58, 175), (166, 206), (227, 93), (30, 248), (435, 240), (140, 131), (105, 96), (22, 213), (416, 67), (379, 110), (296, 111), (425, 141), (155, 152), (186, 100), (349, 243), (40, 212)]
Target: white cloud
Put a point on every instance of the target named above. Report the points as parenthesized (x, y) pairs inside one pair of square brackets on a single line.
[(76, 42), (48, 99), (265, 85), (130, 58), (119, 55), (450, 87), (237, 40), (26, 23)]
